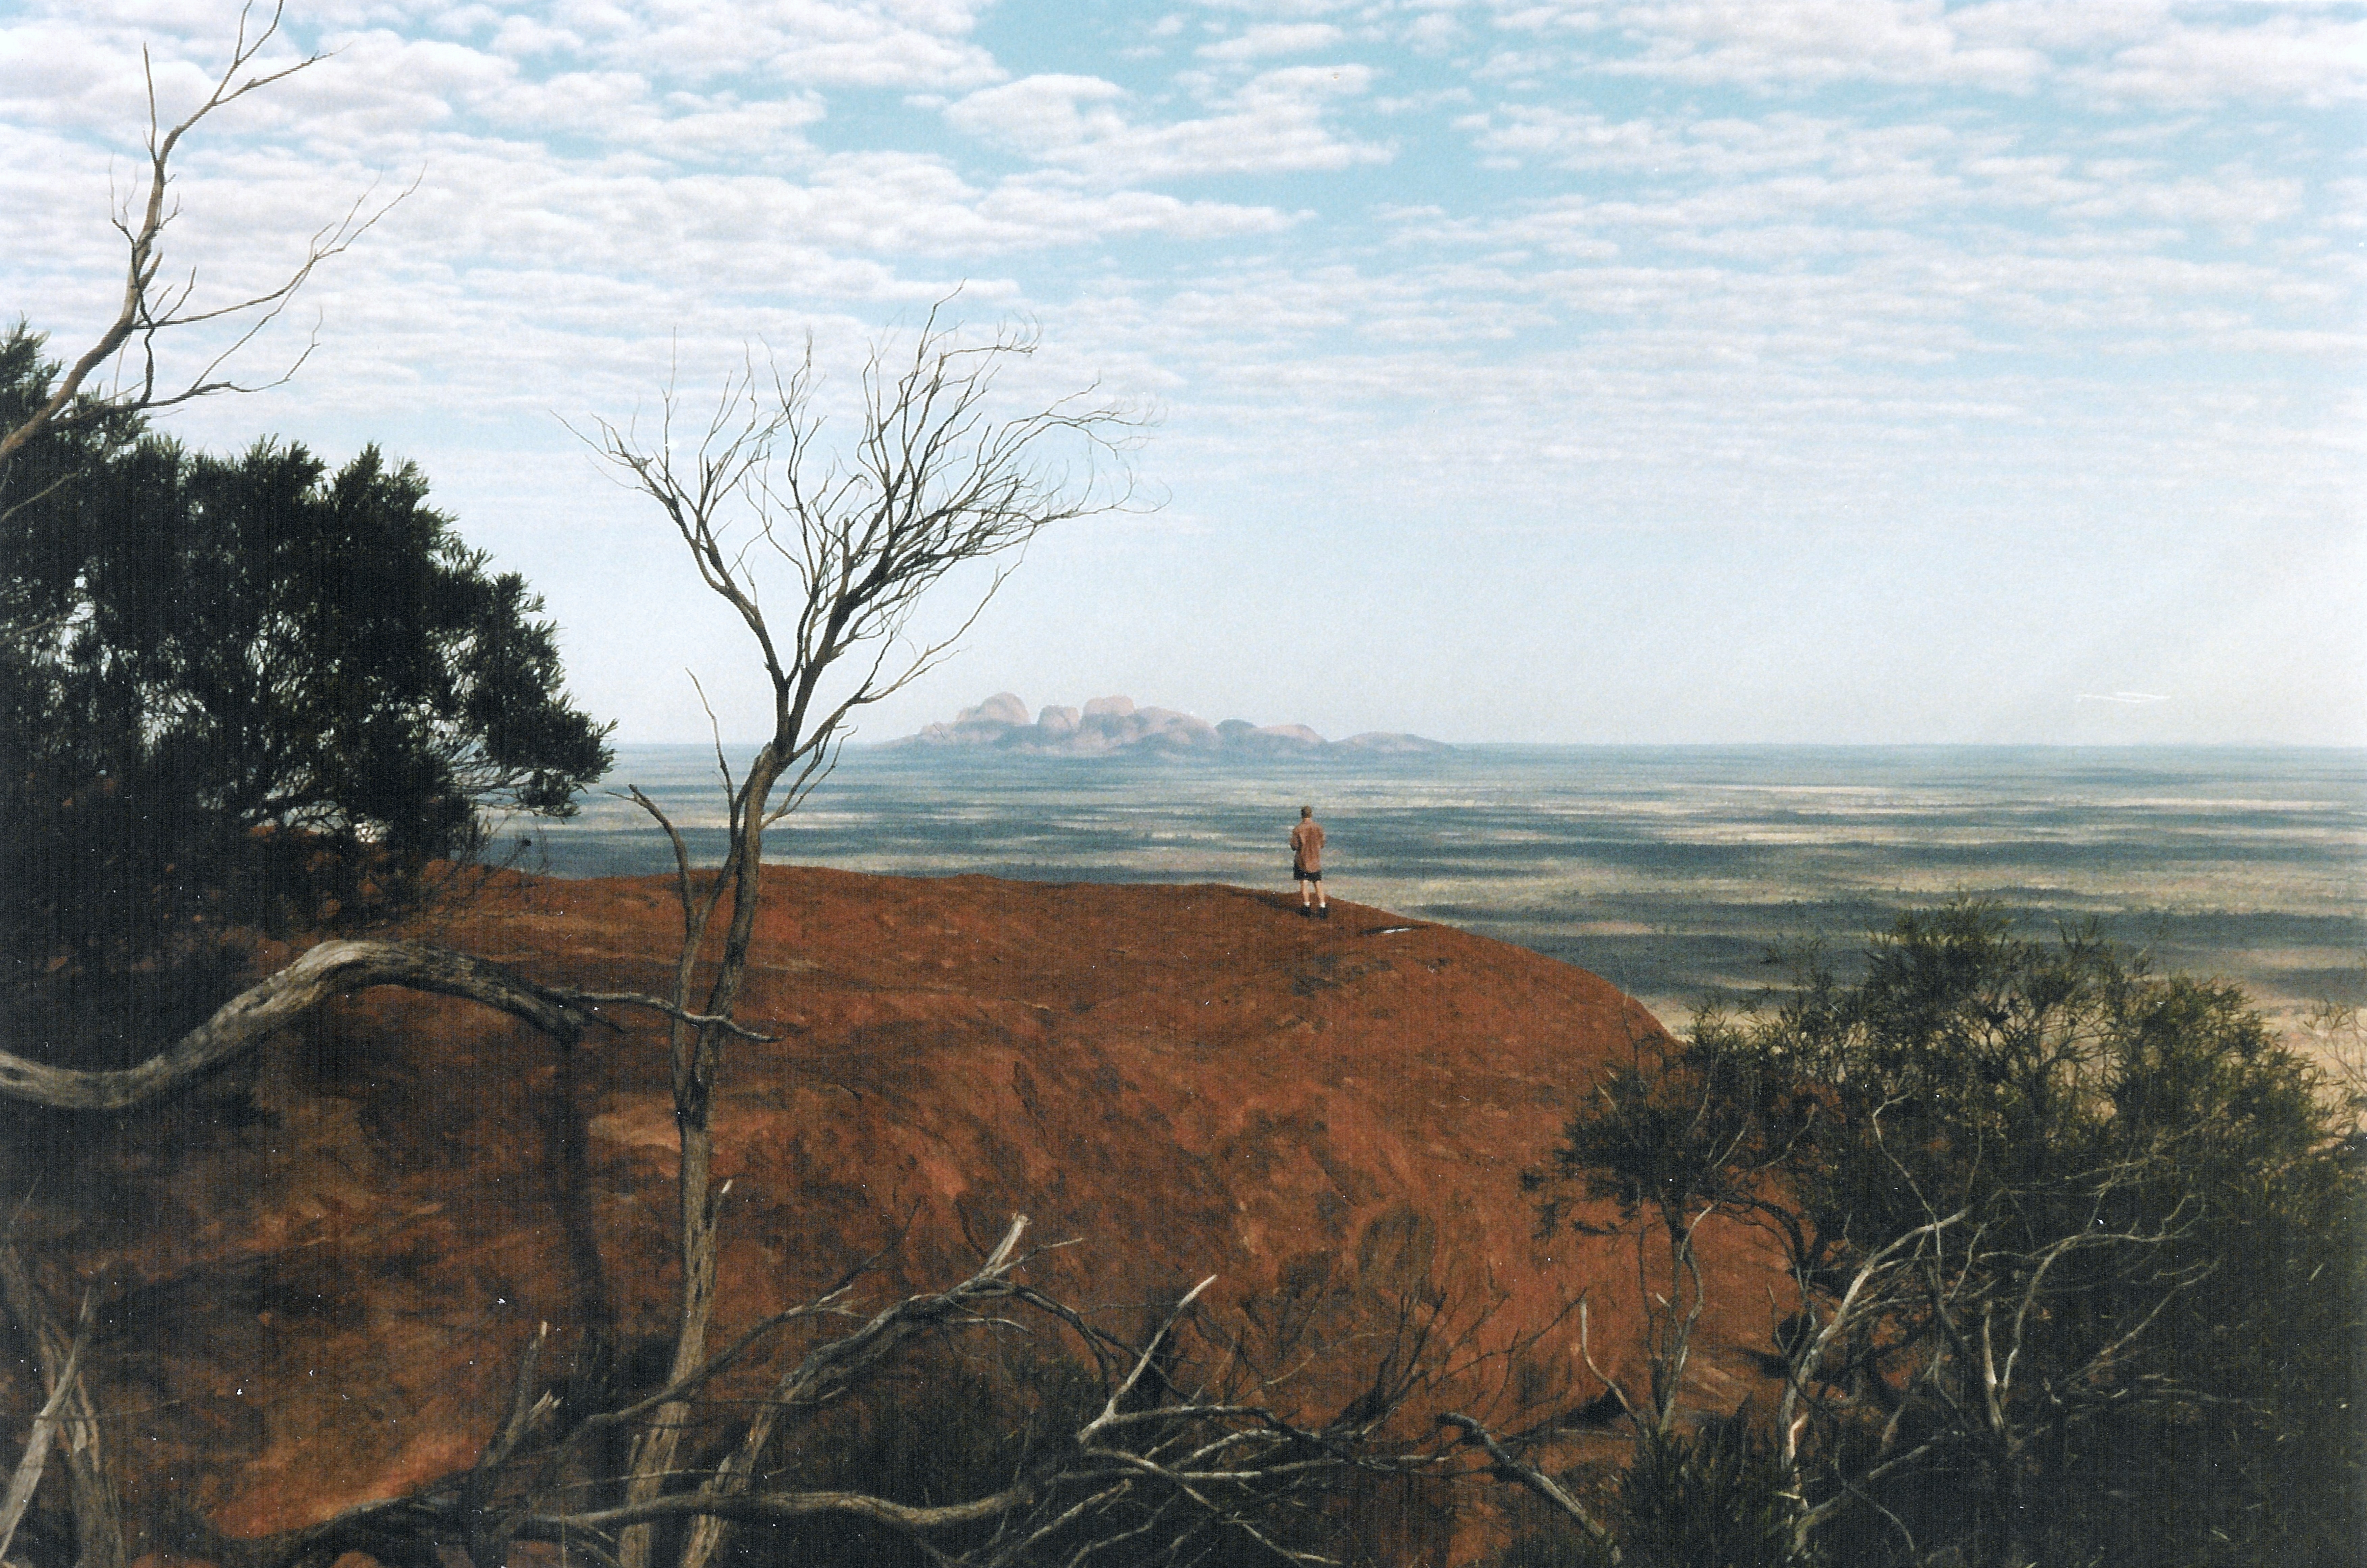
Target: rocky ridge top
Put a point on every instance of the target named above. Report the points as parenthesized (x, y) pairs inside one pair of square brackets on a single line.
[(320, 1269)]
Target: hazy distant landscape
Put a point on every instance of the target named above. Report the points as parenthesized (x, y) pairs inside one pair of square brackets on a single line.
[(1668, 870)]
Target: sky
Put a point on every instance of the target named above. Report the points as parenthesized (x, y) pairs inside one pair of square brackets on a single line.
[(1681, 371)]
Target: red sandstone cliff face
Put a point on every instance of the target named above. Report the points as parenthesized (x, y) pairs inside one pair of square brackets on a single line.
[(317, 1272)]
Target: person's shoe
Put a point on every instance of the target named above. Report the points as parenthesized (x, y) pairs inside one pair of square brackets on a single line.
[(1305, 913), (1322, 911)]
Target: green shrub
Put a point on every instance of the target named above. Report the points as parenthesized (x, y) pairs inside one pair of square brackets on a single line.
[(2078, 1247)]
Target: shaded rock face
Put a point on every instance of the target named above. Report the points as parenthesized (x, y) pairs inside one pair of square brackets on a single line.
[(982, 725), (317, 1272), (1114, 724), (1002, 708)]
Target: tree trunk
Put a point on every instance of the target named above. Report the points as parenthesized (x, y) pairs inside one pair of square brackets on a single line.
[(697, 1060)]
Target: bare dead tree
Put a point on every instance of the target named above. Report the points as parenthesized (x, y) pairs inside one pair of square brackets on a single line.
[(153, 304), (936, 478)]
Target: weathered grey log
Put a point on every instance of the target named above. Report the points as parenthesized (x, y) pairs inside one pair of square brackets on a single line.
[(332, 969)]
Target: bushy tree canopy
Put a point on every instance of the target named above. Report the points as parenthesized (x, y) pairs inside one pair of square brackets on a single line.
[(222, 676), (2076, 1249)]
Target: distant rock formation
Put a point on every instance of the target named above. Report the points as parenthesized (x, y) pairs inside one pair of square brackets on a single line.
[(1107, 725)]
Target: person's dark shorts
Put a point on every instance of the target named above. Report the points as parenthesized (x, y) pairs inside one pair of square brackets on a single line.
[(1303, 874)]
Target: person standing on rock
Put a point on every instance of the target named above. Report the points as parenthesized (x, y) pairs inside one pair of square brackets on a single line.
[(1306, 863)]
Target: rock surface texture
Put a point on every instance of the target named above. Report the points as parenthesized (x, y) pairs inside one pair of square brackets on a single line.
[(316, 1272)]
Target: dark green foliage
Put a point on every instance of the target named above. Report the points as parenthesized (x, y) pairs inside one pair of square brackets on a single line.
[(959, 1429), (1710, 1498), (2078, 1245), (1551, 1546), (959, 1425), (248, 688)]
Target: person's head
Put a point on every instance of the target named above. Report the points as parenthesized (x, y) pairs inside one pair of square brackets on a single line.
[(1306, 811)]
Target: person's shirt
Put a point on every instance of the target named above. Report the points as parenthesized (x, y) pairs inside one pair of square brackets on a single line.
[(1307, 843)]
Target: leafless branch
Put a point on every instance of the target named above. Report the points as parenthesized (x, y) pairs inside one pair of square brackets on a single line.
[(659, 1004), (331, 969), (150, 308), (828, 1369), (1510, 1467)]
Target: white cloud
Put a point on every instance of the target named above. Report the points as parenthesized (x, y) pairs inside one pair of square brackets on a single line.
[(1271, 39), (2057, 27), (1037, 114), (1272, 123), (1764, 42), (1433, 32), (2232, 199), (1724, 148), (2143, 50), (55, 71), (910, 44), (2291, 59), (521, 38), (1714, 173), (1861, 255), (914, 45), (1287, 9)]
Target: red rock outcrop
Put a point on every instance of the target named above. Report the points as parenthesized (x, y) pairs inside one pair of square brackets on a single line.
[(319, 1270)]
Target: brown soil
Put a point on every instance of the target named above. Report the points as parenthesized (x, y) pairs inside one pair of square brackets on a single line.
[(320, 1269)]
